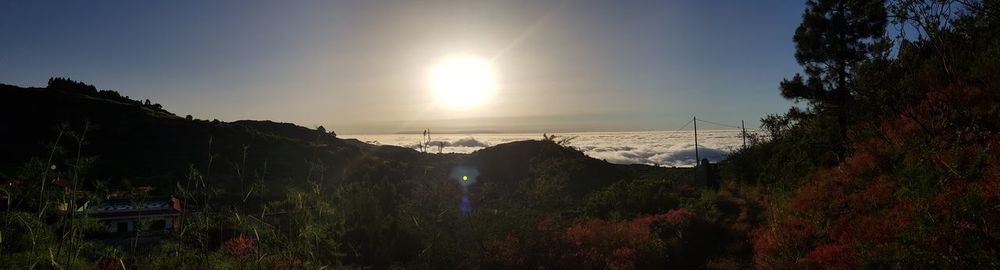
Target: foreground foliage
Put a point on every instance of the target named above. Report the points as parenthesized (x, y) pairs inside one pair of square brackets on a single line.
[(893, 162), (916, 183)]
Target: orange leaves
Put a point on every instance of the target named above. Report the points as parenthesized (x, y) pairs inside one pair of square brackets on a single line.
[(596, 232), (782, 243), (831, 216), (836, 214), (283, 263), (593, 243), (832, 257), (240, 247), (677, 216), (109, 264), (861, 163), (991, 188), (927, 183), (507, 251), (611, 245)]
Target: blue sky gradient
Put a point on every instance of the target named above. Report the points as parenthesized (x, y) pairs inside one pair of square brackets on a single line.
[(360, 66)]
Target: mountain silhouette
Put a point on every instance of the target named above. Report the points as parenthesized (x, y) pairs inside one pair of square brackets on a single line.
[(140, 144)]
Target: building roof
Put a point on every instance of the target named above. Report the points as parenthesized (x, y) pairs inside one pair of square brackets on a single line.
[(123, 209)]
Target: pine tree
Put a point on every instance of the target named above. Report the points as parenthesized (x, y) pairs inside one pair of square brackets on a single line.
[(835, 36)]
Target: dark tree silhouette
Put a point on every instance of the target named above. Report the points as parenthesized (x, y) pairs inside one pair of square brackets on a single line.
[(67, 84), (834, 37)]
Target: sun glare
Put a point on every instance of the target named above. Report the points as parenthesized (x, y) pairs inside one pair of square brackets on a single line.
[(463, 82)]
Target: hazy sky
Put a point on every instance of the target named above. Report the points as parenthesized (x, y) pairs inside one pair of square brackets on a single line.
[(362, 66)]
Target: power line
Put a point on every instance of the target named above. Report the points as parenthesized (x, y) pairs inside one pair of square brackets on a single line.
[(684, 126), (672, 134), (719, 124)]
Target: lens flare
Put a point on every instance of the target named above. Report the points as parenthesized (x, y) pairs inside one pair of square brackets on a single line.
[(465, 176), (465, 207)]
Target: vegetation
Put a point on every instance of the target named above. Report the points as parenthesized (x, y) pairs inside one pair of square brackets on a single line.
[(911, 186), (273, 195), (892, 161)]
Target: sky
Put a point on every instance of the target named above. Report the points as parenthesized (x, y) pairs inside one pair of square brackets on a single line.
[(362, 66)]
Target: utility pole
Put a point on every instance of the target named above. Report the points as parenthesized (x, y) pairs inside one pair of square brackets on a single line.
[(697, 159), (744, 127)]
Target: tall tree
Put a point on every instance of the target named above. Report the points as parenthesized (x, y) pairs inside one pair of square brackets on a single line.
[(834, 37)]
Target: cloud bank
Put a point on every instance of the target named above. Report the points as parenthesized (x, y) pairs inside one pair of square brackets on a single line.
[(651, 148), (469, 142)]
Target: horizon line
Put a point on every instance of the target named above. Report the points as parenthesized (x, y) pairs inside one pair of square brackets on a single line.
[(530, 132)]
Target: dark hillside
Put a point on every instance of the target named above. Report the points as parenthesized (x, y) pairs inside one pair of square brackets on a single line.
[(142, 144), (338, 202), (513, 162), (149, 146)]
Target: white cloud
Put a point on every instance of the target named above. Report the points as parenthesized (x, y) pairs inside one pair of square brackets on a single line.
[(651, 148)]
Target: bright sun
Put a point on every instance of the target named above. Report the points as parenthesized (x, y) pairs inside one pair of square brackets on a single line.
[(463, 82)]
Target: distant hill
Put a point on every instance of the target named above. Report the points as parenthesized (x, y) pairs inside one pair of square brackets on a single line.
[(146, 145), (139, 143), (337, 201)]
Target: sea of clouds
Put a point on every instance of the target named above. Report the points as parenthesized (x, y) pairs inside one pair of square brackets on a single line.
[(660, 148)]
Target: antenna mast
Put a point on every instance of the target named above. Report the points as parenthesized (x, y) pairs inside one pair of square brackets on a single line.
[(744, 127), (697, 159)]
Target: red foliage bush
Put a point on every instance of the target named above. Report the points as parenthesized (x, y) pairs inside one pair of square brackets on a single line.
[(283, 263), (240, 247), (604, 245), (109, 264), (919, 193), (833, 257), (592, 244)]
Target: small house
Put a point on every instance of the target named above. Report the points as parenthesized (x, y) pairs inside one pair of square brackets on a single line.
[(707, 173), (123, 216)]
